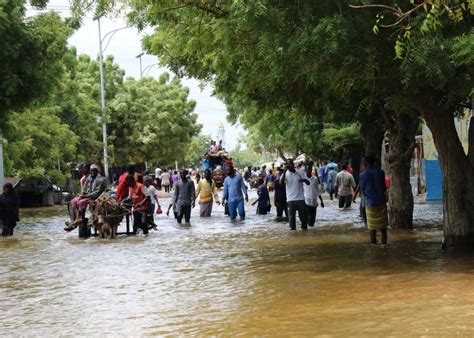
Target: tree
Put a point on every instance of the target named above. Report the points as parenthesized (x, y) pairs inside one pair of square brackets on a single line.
[(196, 150), (437, 73), (440, 82), (152, 120), (276, 65), (428, 14), (246, 158), (78, 102), (37, 140), (31, 51), (31, 54)]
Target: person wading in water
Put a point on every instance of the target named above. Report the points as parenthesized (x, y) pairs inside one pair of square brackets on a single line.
[(280, 196), (233, 195), (207, 192), (294, 179), (372, 186), (184, 197), (138, 195), (345, 184), (311, 195), (9, 213)]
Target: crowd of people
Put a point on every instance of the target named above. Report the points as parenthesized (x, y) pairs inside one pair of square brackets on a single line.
[(296, 189)]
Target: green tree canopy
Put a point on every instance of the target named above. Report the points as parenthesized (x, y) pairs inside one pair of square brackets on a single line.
[(36, 139), (152, 120), (31, 55)]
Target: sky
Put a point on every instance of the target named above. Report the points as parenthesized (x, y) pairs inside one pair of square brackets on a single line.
[(125, 45)]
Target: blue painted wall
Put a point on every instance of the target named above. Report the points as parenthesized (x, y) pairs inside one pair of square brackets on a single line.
[(434, 181)]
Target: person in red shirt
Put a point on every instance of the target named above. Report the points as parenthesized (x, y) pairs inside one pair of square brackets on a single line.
[(122, 187), (137, 194), (349, 168)]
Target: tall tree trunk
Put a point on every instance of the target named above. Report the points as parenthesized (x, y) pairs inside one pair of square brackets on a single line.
[(402, 131), (373, 132), (2, 176), (470, 154), (458, 179)]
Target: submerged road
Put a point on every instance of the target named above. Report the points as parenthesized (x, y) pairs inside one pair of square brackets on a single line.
[(250, 278)]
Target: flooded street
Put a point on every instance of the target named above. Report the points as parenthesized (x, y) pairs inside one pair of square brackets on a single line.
[(250, 278)]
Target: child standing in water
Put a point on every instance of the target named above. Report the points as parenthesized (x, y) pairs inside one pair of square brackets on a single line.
[(263, 201)]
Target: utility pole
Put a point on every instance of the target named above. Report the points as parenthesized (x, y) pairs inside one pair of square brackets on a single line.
[(102, 101), (102, 94)]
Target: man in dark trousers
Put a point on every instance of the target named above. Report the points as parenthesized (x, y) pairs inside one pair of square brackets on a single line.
[(294, 179), (280, 196), (183, 197)]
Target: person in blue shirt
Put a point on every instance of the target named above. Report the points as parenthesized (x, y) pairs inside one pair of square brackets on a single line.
[(234, 192), (263, 201), (331, 166), (205, 164), (323, 175), (331, 183), (372, 186)]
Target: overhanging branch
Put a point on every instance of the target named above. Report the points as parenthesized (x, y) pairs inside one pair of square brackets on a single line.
[(401, 16)]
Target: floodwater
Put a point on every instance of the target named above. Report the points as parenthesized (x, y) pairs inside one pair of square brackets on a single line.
[(254, 278)]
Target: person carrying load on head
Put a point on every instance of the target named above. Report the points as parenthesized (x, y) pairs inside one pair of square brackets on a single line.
[(94, 187)]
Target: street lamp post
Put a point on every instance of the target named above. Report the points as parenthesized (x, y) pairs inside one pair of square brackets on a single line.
[(139, 56), (102, 93), (147, 68), (102, 101)]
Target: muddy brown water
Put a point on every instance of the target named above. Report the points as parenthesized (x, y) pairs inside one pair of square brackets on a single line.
[(251, 278)]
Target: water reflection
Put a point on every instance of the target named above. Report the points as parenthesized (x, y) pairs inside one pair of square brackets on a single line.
[(252, 278)]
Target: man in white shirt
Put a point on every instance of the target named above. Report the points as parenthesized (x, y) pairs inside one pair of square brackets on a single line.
[(294, 180), (345, 183), (311, 194), (158, 177)]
